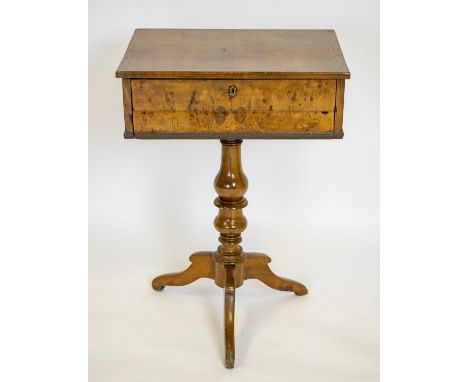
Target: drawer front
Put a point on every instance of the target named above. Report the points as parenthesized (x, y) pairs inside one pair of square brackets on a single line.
[(223, 108), (210, 95)]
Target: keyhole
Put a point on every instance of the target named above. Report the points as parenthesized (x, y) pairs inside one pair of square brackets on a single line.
[(232, 91)]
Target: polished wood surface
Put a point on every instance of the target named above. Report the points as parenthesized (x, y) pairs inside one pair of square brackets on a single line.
[(233, 106), (202, 266), (229, 125), (128, 107), (233, 54), (232, 95), (229, 312), (256, 267), (338, 125), (229, 265), (233, 84)]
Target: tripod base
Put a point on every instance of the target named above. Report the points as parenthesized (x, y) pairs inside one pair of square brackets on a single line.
[(229, 265), (229, 276)]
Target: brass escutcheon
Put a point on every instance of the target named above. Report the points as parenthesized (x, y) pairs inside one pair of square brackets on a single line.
[(232, 91)]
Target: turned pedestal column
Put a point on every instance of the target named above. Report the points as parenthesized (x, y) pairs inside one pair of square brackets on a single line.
[(229, 265)]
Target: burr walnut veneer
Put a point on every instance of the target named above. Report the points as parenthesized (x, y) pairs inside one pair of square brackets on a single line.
[(232, 85)]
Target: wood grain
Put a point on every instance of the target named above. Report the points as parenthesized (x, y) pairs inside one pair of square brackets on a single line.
[(233, 54), (256, 267), (202, 266), (260, 122), (177, 84), (338, 128), (128, 108), (229, 265), (229, 313), (286, 84), (250, 95)]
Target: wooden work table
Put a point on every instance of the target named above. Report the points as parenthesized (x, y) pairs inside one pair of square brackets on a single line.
[(232, 85)]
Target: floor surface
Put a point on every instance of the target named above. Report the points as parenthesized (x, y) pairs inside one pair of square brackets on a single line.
[(331, 334)]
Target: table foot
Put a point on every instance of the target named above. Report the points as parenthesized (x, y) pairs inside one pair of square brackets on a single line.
[(202, 266), (256, 267)]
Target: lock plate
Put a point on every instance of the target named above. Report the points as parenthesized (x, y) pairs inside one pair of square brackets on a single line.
[(232, 91)]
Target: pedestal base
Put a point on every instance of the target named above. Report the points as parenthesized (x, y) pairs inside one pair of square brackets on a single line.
[(229, 265), (205, 265)]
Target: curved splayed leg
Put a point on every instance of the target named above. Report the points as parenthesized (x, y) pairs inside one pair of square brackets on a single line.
[(229, 306), (202, 265), (256, 267)]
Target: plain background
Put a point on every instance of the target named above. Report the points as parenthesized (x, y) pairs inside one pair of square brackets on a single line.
[(313, 207)]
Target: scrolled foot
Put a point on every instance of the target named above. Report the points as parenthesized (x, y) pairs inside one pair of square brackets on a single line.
[(202, 266), (256, 267)]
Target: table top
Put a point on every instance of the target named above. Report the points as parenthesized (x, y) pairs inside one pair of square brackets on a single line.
[(234, 54)]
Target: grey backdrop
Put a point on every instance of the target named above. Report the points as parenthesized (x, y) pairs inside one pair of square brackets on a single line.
[(313, 207)]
